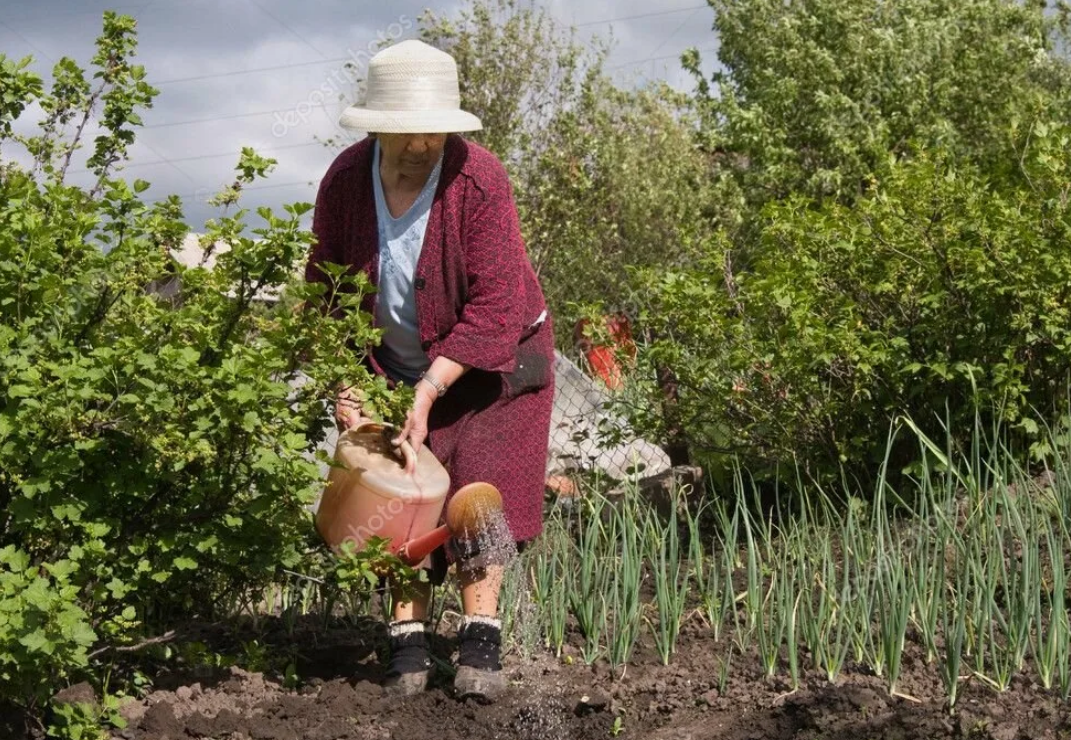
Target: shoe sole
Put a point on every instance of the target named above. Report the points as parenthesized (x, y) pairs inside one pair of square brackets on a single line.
[(483, 686), (406, 684)]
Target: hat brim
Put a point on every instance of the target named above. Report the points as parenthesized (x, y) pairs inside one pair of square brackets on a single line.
[(408, 121)]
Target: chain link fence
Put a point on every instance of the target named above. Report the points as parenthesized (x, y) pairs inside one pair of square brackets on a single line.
[(588, 438)]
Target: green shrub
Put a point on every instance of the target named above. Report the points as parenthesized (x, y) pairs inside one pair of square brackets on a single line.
[(155, 453), (932, 296), (44, 632)]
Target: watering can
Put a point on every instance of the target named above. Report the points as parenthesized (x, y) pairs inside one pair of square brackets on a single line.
[(369, 493)]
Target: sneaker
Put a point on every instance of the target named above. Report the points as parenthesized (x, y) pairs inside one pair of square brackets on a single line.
[(410, 664), (479, 667)]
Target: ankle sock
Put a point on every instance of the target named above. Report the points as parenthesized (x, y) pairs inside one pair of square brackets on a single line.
[(480, 643), (408, 647)]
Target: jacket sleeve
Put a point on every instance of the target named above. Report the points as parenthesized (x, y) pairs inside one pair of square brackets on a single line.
[(326, 222), (492, 317), (328, 247)]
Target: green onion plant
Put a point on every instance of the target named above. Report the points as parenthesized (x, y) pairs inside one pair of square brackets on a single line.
[(671, 581)]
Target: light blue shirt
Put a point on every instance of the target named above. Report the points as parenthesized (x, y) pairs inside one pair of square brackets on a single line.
[(400, 242)]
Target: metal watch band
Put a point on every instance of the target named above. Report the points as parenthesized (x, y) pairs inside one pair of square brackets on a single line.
[(440, 388)]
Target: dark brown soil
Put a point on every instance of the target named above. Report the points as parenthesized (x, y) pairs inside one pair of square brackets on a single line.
[(550, 699)]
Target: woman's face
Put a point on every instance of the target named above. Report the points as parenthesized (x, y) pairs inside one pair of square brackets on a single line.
[(411, 154)]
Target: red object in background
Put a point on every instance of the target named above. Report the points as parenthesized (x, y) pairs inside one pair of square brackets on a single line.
[(603, 358)]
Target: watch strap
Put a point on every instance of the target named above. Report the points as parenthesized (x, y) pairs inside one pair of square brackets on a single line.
[(440, 387)]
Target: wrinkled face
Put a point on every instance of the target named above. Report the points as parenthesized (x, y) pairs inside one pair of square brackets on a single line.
[(411, 154)]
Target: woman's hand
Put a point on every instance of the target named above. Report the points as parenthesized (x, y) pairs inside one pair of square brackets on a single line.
[(415, 430), (348, 413)]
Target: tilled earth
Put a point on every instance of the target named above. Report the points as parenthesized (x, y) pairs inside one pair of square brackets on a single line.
[(339, 698)]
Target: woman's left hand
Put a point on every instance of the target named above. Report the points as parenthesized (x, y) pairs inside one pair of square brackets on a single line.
[(416, 421)]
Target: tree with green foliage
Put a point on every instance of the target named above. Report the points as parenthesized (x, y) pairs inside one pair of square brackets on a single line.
[(899, 172), (813, 96), (155, 454)]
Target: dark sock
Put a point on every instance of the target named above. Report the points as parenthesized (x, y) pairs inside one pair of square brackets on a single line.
[(480, 643), (408, 648)]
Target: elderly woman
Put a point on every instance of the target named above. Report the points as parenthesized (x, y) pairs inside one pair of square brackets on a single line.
[(430, 218)]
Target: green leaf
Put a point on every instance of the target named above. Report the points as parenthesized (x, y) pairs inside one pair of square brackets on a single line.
[(37, 642), (61, 570), (185, 563), (118, 589)]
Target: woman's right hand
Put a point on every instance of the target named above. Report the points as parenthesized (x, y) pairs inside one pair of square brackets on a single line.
[(348, 413)]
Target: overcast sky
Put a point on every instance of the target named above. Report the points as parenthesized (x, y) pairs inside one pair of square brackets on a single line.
[(234, 73)]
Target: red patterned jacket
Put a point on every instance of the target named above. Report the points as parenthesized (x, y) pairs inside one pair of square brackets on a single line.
[(477, 298)]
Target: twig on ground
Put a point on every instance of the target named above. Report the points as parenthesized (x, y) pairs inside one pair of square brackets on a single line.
[(166, 637)]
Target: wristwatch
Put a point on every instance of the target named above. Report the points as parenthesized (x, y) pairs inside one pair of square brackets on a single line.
[(439, 387)]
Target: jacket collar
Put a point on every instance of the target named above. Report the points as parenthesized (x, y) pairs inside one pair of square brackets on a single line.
[(455, 156)]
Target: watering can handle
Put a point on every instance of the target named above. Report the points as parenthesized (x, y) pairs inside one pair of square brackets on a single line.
[(409, 455)]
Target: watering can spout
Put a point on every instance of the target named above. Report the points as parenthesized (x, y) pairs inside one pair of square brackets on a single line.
[(468, 514), (415, 550)]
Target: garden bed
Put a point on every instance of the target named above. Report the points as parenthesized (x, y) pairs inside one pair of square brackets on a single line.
[(339, 698), (830, 624)]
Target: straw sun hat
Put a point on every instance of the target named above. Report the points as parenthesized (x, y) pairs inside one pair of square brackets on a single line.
[(411, 89)]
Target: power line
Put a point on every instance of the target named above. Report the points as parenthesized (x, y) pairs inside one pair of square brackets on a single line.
[(336, 60), (297, 35), (98, 13), (168, 162), (675, 32), (27, 42), (173, 162), (244, 190), (229, 117), (641, 15), (655, 59), (277, 68), (165, 160), (274, 68), (194, 78)]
